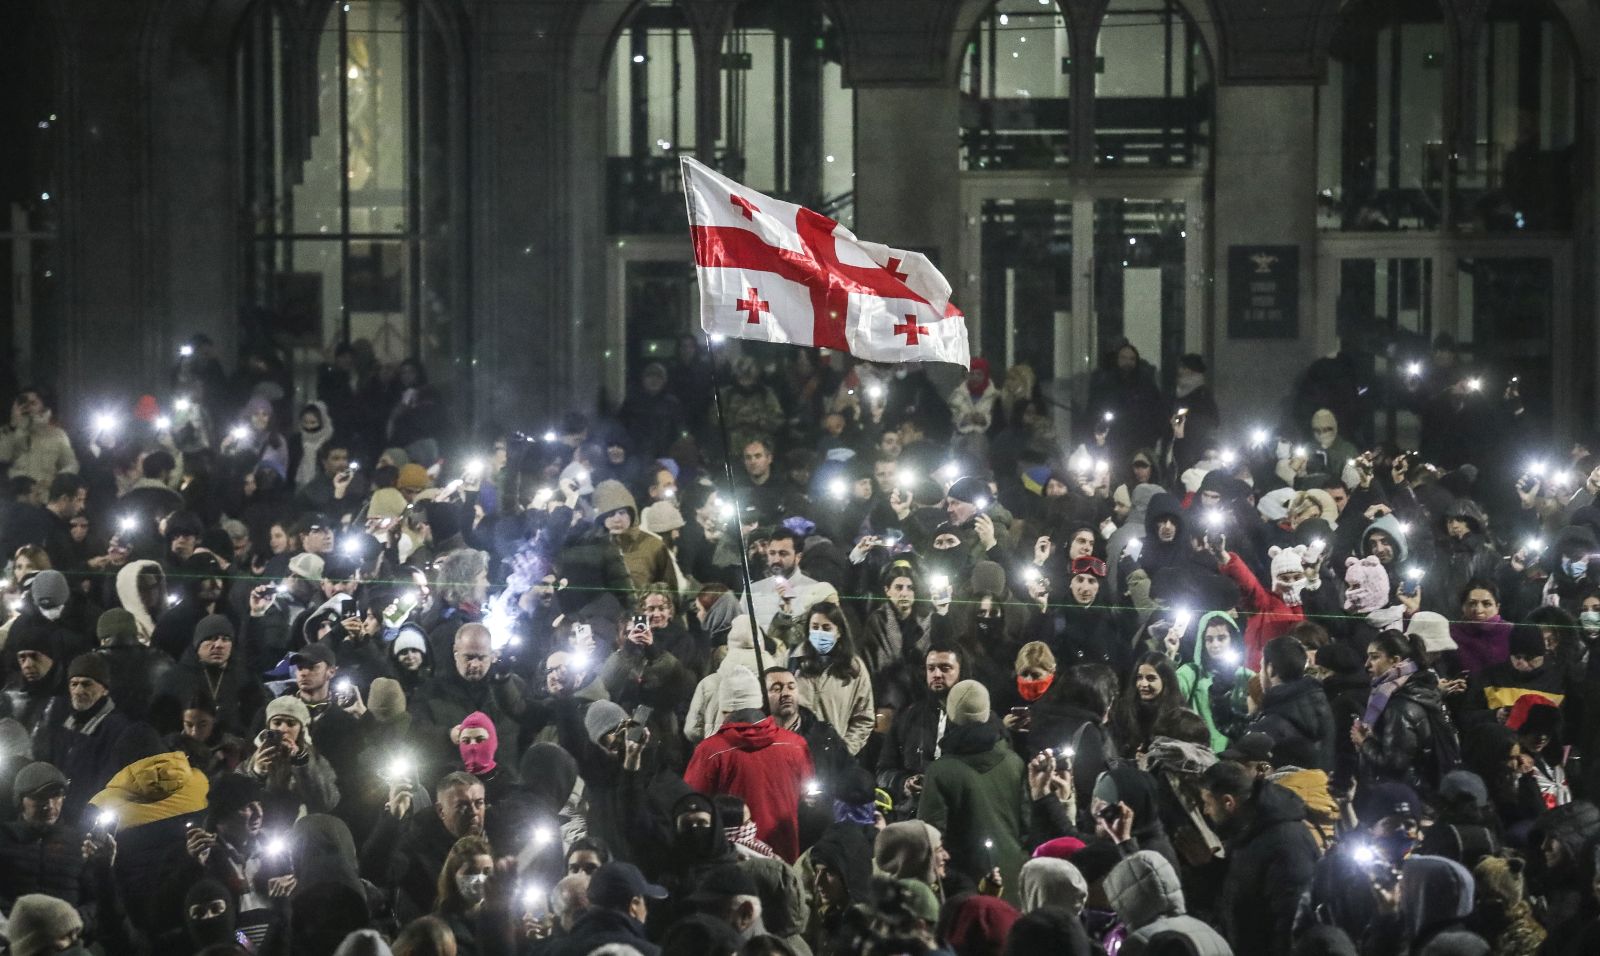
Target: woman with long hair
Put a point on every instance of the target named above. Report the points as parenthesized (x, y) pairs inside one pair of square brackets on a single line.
[(833, 679), (1151, 692), (463, 880), (1404, 734)]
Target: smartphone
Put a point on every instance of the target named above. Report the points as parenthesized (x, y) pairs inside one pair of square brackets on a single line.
[(1023, 714), (1110, 815), (344, 694), (1064, 760), (636, 727), (639, 621), (273, 738)]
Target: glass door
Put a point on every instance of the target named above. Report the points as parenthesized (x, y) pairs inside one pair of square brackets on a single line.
[(1055, 271), (1502, 302)]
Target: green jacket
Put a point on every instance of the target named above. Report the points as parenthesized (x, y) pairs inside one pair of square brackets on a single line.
[(1194, 681), (977, 791)]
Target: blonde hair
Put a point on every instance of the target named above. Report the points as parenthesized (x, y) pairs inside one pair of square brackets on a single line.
[(1035, 654)]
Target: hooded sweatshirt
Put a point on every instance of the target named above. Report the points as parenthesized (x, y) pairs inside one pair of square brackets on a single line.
[(764, 765), (644, 554), (1046, 881), (311, 442), (128, 594), (906, 851), (1145, 892), (1199, 677)]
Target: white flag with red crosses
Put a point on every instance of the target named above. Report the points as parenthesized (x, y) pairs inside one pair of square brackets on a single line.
[(773, 271)]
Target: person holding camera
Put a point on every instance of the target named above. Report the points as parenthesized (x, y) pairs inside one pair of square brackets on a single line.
[(295, 779)]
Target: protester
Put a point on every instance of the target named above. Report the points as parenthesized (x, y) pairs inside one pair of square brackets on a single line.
[(370, 677)]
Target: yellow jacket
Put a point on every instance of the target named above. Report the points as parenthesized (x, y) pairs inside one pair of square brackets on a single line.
[(1322, 810), (153, 789)]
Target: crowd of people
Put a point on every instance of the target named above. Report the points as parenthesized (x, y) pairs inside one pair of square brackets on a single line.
[(891, 668)]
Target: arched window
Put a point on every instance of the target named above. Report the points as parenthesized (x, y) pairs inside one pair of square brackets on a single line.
[(1153, 91), (1016, 85), (350, 120), (787, 119), (1380, 162), (1519, 119), (652, 103)]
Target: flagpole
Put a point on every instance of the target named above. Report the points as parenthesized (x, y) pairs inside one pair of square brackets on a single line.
[(738, 524)]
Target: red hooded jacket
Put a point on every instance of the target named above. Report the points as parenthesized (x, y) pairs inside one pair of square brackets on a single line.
[(765, 766)]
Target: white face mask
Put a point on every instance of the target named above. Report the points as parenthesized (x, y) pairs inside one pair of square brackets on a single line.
[(472, 887), (53, 614), (1290, 592)]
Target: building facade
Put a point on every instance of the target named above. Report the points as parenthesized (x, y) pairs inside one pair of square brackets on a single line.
[(490, 185)]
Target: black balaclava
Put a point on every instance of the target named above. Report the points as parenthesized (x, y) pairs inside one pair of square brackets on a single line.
[(209, 930)]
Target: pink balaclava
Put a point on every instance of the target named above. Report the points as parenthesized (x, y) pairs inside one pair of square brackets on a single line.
[(479, 758), (1366, 585)]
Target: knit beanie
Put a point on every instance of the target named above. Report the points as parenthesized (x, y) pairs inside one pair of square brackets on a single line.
[(386, 503), (413, 477), (386, 699), (739, 690), (92, 666), (37, 921), (969, 489), (1434, 630), (410, 638), (1285, 560), (1366, 585), (210, 626), (116, 626), (661, 517), (49, 590), (967, 703), (289, 706), (602, 717)]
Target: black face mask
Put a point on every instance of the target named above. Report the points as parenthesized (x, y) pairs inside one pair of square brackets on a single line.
[(698, 842), (988, 628)]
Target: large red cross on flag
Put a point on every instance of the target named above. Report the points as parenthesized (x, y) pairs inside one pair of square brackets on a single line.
[(777, 272)]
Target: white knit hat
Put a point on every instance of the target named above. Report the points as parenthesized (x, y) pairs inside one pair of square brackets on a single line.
[(738, 690), (1285, 560)]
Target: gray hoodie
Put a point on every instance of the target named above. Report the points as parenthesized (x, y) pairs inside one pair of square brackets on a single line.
[(1145, 892)]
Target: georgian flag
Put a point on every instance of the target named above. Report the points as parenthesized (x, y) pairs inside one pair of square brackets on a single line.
[(773, 271)]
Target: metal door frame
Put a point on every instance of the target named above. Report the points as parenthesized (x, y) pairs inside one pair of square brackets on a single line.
[(1445, 251)]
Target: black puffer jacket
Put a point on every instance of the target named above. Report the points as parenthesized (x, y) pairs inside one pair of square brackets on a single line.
[(1299, 708), (42, 860), (1402, 746), (1270, 862)]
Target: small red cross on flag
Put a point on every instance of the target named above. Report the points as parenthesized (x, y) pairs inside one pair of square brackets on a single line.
[(777, 272), (753, 306), (911, 330)]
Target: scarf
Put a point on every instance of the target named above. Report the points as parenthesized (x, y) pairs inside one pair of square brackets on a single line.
[(1384, 686), (745, 835)]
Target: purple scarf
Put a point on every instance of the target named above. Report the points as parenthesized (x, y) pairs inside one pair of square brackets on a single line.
[(1482, 643), (1384, 687)]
